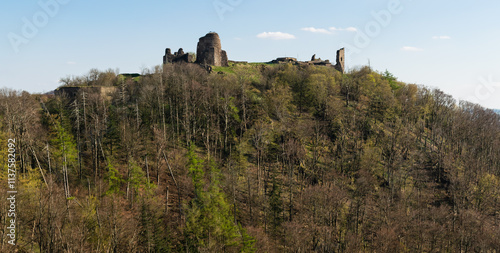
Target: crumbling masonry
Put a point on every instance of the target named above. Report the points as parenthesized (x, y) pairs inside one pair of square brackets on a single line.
[(340, 65), (208, 52), (178, 56)]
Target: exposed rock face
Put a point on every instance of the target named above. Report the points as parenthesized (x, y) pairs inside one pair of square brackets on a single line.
[(178, 56), (340, 66), (209, 51)]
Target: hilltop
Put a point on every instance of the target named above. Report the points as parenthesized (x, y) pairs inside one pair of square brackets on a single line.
[(254, 158)]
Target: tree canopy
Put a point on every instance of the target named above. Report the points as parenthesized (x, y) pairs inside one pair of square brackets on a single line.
[(256, 158)]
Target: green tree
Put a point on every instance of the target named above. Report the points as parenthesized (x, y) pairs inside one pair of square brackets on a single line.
[(209, 226), (66, 152), (392, 80), (151, 236), (137, 181), (115, 179), (275, 207)]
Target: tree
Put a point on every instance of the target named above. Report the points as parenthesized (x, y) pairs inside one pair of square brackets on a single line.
[(208, 221), (275, 208)]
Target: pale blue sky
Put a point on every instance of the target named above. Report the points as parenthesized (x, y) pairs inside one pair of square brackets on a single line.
[(445, 44)]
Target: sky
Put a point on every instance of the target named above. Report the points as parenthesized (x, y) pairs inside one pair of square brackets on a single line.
[(444, 44)]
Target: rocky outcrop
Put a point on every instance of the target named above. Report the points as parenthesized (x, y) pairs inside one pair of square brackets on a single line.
[(209, 51)]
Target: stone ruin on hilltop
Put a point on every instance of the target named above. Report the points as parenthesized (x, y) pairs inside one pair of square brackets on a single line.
[(178, 56), (340, 65), (208, 52)]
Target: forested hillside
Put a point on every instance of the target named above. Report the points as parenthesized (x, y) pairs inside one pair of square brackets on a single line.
[(255, 158)]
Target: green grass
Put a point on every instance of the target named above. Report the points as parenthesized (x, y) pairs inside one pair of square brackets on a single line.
[(122, 77), (261, 63), (235, 67), (229, 69)]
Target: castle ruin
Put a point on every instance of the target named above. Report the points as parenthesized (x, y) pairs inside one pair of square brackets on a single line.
[(178, 56), (209, 51), (340, 65)]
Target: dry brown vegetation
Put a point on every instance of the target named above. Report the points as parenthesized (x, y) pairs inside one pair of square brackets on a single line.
[(263, 158)]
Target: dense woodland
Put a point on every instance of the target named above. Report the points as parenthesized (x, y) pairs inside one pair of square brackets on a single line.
[(261, 158)]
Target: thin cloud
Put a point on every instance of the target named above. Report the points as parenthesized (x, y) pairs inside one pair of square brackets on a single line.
[(316, 30), (329, 30), (71, 63), (348, 29), (443, 37), (412, 49), (275, 36)]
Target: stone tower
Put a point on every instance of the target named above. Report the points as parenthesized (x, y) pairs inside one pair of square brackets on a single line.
[(340, 66), (209, 51)]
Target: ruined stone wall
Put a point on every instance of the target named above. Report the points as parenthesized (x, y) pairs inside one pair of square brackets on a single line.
[(209, 51), (224, 59), (178, 56), (340, 66)]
